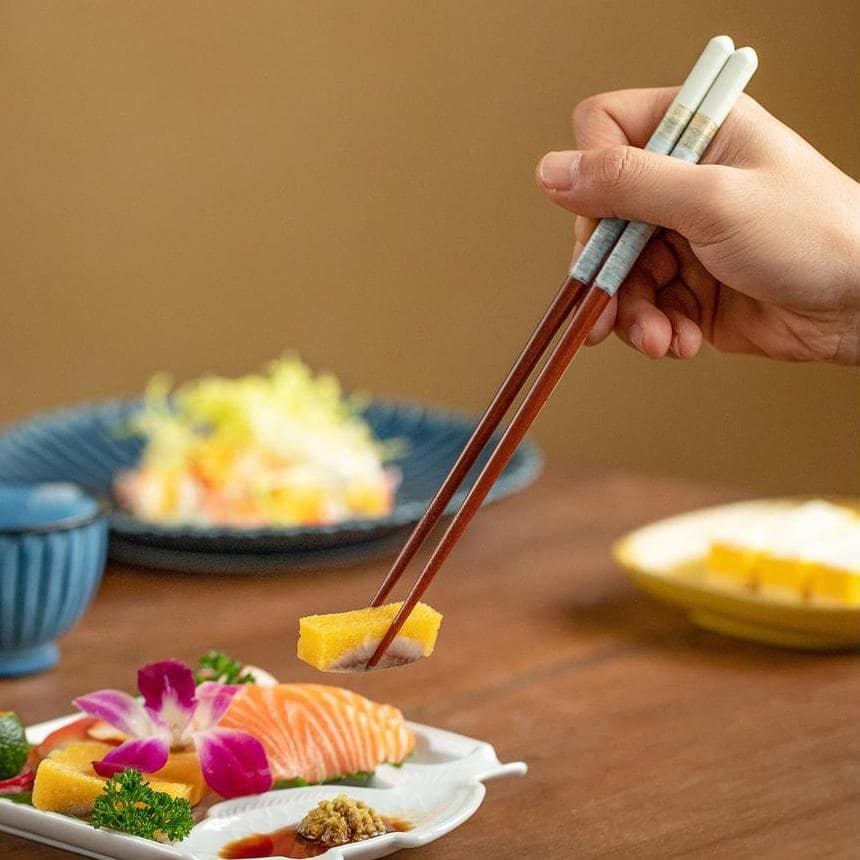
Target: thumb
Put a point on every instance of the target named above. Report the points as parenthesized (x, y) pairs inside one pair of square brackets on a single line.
[(636, 185)]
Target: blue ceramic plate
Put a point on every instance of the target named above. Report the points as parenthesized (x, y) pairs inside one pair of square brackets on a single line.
[(85, 445)]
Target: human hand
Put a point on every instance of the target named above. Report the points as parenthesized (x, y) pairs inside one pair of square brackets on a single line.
[(762, 248)]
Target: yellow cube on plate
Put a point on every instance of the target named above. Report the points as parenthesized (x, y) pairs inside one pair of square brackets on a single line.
[(834, 583), (774, 571), (184, 767), (794, 552), (66, 782), (81, 754), (345, 641), (733, 563)]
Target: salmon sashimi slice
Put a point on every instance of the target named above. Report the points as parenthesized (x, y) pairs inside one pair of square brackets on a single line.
[(314, 732)]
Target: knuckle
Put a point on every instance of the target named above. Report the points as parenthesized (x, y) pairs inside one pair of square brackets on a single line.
[(586, 114), (616, 166)]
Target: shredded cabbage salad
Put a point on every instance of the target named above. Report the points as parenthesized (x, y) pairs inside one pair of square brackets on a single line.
[(281, 448)]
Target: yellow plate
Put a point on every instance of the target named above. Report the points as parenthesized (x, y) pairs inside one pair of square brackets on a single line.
[(667, 559)]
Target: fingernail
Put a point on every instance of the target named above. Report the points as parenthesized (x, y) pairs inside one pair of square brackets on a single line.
[(636, 336), (557, 170)]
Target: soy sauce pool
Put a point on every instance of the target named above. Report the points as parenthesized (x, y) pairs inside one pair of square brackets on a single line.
[(288, 842)]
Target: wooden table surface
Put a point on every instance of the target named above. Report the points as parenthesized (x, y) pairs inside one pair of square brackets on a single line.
[(645, 737)]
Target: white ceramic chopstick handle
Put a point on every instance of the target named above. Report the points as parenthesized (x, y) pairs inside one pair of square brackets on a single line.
[(704, 72), (694, 89), (696, 138), (716, 105)]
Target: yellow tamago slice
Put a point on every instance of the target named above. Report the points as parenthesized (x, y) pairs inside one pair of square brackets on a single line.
[(734, 563), (345, 641), (66, 782), (830, 582), (780, 571), (797, 552), (184, 767)]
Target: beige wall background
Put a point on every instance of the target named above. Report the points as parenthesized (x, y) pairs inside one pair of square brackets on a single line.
[(198, 186)]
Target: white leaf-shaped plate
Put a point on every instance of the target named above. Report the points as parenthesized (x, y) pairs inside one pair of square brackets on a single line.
[(436, 790)]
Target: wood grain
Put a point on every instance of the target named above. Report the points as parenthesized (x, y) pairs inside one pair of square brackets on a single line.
[(644, 736)]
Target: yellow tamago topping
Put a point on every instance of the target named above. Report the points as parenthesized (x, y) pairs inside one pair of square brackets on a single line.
[(66, 782), (184, 768), (809, 551), (343, 641)]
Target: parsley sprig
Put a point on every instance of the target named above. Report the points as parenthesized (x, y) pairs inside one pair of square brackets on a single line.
[(220, 667), (130, 804)]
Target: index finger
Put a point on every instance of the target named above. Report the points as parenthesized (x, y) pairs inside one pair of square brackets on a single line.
[(622, 117)]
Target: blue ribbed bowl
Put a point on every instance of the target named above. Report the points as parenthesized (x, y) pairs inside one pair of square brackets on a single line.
[(53, 542), (87, 446)]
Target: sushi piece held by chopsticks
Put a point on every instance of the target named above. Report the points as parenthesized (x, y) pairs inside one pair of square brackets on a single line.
[(345, 641)]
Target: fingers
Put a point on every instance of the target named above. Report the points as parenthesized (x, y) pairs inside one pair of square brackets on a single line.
[(621, 117), (658, 325), (625, 182), (656, 322), (613, 119), (611, 176), (630, 117), (639, 323), (681, 308), (699, 306), (657, 313), (651, 287)]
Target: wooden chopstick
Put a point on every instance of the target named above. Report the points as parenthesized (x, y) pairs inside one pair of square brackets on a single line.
[(720, 93), (557, 312), (584, 317)]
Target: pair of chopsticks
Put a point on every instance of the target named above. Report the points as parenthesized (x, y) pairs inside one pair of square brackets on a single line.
[(687, 128)]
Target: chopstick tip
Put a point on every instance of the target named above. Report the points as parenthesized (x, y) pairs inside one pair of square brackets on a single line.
[(725, 43), (748, 56)]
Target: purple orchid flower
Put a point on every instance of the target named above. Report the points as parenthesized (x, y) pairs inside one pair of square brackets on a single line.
[(176, 715)]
